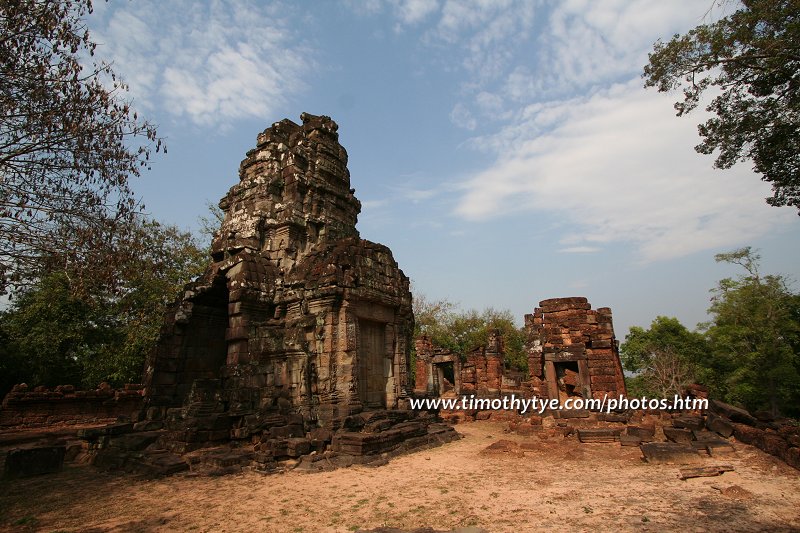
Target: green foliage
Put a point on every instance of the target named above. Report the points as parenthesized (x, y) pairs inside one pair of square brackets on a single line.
[(638, 387), (462, 331), (751, 59), (755, 336), (210, 222), (48, 332), (667, 357), (748, 354), (56, 335)]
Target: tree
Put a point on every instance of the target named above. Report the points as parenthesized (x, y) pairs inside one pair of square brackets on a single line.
[(66, 151), (55, 335), (462, 331), (210, 222), (750, 59), (667, 357), (52, 334), (157, 261), (755, 336)]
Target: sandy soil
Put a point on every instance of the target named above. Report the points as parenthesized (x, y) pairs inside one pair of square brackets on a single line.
[(544, 484)]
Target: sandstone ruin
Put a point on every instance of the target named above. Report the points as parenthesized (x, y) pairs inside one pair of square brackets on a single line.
[(439, 371), (294, 347), (571, 348), (298, 324)]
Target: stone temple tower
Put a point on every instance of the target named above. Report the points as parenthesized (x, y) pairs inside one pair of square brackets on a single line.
[(296, 314)]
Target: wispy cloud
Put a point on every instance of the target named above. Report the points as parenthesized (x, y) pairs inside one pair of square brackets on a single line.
[(369, 205), (462, 117), (519, 53), (414, 194), (415, 11), (579, 250), (212, 63), (587, 43), (363, 8), (619, 166), (576, 136)]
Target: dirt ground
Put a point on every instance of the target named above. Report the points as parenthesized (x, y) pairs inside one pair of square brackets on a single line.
[(545, 484)]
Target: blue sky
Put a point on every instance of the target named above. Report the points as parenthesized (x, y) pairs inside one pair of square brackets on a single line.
[(505, 151)]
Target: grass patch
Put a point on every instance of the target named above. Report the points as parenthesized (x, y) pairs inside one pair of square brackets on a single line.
[(26, 521)]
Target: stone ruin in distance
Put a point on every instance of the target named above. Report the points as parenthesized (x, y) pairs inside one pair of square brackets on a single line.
[(300, 324)]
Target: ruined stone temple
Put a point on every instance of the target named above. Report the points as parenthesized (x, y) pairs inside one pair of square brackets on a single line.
[(298, 323), (572, 352), (439, 371)]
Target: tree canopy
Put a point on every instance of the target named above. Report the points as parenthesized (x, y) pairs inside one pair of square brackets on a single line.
[(748, 354), (67, 144), (462, 331), (53, 334), (750, 61), (755, 338), (667, 356)]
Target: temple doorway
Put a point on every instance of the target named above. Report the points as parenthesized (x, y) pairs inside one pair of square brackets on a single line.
[(372, 363)]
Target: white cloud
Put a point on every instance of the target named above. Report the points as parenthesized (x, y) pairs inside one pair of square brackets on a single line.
[(620, 167), (579, 250), (487, 32), (586, 43), (369, 205), (462, 117), (415, 11), (212, 63), (413, 194), (490, 103), (524, 53), (364, 7), (419, 195)]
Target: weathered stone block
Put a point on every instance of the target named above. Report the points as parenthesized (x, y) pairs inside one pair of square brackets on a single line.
[(35, 460), (793, 457), (748, 434), (286, 431), (670, 453), (599, 434), (719, 447), (704, 435), (774, 444), (680, 435), (629, 440), (135, 441), (295, 447), (719, 425), (731, 412), (643, 433), (692, 422)]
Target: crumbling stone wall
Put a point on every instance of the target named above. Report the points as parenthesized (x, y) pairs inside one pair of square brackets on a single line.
[(429, 368), (572, 350), (482, 373), (43, 407), (296, 315)]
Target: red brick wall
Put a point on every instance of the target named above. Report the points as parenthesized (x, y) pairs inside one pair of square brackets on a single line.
[(64, 405)]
